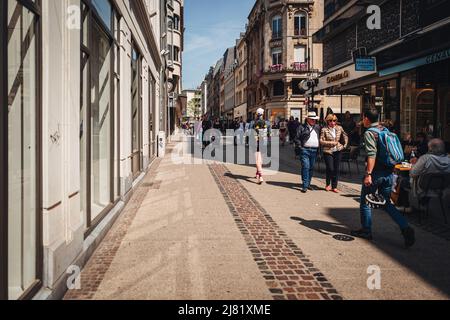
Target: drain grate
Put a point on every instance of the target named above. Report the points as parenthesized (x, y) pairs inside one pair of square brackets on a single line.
[(343, 237)]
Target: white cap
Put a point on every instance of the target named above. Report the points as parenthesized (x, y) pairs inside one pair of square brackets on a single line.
[(260, 111)]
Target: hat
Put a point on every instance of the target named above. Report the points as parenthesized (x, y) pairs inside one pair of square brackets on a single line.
[(260, 111), (313, 116)]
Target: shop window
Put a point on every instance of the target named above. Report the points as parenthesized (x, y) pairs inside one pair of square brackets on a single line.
[(104, 10), (101, 131), (136, 111), (23, 154)]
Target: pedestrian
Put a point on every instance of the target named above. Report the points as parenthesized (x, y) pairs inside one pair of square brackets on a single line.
[(283, 132), (349, 123), (241, 130), (261, 131), (333, 140), (292, 128), (384, 151), (307, 140)]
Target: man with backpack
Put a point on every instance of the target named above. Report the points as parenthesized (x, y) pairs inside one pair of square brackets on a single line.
[(384, 151)]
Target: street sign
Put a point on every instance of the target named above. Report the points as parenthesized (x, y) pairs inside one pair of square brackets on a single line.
[(365, 64)]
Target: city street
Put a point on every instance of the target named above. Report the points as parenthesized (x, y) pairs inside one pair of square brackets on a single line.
[(209, 232)]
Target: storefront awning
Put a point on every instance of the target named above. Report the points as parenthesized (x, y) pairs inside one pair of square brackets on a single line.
[(341, 77), (429, 59)]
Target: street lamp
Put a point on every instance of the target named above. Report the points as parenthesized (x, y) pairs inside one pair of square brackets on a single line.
[(310, 84)]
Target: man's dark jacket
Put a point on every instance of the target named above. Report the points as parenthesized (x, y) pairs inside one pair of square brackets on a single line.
[(304, 133)]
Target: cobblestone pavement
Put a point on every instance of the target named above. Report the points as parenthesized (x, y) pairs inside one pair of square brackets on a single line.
[(288, 273)]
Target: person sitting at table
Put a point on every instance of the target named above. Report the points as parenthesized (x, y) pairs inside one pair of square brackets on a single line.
[(435, 161), (422, 144)]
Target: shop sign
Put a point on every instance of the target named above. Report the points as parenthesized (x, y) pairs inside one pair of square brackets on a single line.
[(439, 56), (338, 77), (430, 59), (365, 64)]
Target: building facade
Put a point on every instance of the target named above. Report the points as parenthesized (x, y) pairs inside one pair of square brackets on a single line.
[(174, 36), (75, 153), (209, 84), (204, 98), (281, 55), (240, 76), (217, 81), (411, 82), (193, 110), (229, 84)]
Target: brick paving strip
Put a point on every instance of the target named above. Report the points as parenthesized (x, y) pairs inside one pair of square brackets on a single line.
[(100, 262), (288, 273)]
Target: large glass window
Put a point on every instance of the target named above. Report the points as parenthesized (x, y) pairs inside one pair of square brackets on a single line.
[(101, 133), (278, 88), (300, 24), (277, 27), (84, 106), (104, 10), (23, 153), (299, 54), (99, 158), (136, 111), (277, 56)]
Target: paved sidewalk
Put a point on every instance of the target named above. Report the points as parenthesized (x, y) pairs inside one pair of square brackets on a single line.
[(176, 239), (210, 232), (319, 223)]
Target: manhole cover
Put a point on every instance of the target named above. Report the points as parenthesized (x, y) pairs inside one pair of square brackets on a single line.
[(343, 237)]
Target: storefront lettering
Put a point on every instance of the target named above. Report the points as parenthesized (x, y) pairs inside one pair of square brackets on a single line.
[(438, 56), (338, 77)]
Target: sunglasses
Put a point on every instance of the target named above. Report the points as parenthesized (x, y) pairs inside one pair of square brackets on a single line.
[(332, 121)]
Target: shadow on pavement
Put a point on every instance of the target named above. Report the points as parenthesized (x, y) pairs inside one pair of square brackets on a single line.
[(429, 258), (323, 227)]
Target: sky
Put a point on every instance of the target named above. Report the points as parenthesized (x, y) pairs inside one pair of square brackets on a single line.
[(212, 26)]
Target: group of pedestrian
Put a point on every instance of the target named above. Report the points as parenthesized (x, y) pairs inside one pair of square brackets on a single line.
[(378, 179), (331, 138)]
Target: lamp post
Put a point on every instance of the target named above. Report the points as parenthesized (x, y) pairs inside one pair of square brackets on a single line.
[(310, 84)]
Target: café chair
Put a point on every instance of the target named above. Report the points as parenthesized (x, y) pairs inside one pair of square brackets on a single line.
[(433, 185)]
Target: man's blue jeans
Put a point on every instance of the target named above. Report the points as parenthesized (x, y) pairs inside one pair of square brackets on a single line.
[(382, 180), (308, 158)]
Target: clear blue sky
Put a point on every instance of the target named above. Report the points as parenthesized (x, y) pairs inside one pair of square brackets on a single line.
[(212, 26)]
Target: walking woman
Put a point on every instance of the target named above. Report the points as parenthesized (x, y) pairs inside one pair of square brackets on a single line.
[(333, 140), (261, 131)]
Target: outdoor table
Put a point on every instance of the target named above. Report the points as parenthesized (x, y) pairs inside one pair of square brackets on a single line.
[(402, 169), (398, 196)]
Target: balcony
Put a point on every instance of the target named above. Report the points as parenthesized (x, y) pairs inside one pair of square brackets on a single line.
[(276, 68), (298, 67)]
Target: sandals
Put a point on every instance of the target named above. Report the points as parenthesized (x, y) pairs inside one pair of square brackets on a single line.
[(260, 178)]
